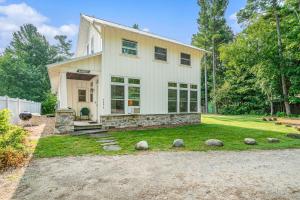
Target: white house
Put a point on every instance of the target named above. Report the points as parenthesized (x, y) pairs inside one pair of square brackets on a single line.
[(129, 77)]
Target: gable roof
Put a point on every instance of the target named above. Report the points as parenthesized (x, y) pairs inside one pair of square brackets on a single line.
[(127, 28)]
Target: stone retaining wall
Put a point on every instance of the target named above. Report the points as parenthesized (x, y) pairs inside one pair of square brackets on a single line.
[(64, 121), (131, 121)]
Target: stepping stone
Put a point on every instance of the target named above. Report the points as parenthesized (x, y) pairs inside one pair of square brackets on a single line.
[(249, 141), (112, 148), (110, 143), (273, 140), (99, 135), (214, 142), (105, 141), (293, 135)]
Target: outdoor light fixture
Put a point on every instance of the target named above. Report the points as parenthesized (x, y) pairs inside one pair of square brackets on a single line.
[(83, 71)]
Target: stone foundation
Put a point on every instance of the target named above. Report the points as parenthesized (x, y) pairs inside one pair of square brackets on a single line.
[(64, 121), (140, 120)]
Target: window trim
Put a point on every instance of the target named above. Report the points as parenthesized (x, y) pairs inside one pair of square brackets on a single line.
[(154, 54), (78, 95), (130, 48), (189, 60)]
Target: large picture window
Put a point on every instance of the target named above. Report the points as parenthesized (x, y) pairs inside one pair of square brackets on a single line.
[(129, 47), (125, 90), (172, 97), (182, 98)]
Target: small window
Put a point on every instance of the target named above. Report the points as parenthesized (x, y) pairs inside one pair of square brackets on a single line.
[(194, 87), (183, 85), (117, 79), (92, 45), (117, 99), (174, 85), (129, 47), (133, 96), (82, 95), (160, 53), (185, 59), (134, 81)]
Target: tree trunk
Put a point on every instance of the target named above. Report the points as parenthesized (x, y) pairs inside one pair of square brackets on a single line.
[(205, 84), (272, 108), (214, 74), (283, 79)]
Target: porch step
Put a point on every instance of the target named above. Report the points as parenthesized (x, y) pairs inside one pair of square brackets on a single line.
[(88, 132), (87, 127)]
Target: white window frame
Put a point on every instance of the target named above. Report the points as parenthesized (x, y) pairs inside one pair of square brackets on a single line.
[(173, 88), (130, 48), (126, 85)]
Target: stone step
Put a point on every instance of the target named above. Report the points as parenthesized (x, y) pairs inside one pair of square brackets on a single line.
[(99, 135), (106, 140), (89, 132), (112, 148), (87, 127), (109, 143)]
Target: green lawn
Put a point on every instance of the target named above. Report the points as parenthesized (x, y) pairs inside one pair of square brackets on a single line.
[(230, 129)]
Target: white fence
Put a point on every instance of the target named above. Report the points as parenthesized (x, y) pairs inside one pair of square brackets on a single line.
[(16, 106)]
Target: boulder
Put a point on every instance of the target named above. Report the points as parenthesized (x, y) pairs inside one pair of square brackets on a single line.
[(278, 123), (293, 135), (214, 142), (142, 145), (264, 119), (249, 141), (274, 118), (273, 140), (178, 143)]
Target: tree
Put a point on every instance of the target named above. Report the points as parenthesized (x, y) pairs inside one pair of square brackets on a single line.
[(23, 68), (268, 8), (135, 26), (63, 48), (213, 31)]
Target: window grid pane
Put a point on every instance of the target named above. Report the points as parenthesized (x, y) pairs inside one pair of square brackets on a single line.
[(160, 53), (129, 47), (185, 59), (183, 104), (172, 100)]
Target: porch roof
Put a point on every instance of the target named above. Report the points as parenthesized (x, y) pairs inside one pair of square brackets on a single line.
[(54, 65)]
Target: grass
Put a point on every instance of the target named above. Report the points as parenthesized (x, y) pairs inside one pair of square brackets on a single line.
[(230, 129)]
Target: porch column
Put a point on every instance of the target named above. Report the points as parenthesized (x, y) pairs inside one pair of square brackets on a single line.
[(63, 93)]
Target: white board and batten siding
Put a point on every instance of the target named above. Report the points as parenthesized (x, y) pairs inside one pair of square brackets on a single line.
[(154, 75), (16, 106)]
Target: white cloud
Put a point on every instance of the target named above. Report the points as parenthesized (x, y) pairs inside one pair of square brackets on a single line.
[(13, 16), (234, 24)]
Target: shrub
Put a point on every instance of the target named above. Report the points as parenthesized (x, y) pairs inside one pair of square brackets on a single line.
[(280, 114), (13, 148), (10, 157), (49, 104)]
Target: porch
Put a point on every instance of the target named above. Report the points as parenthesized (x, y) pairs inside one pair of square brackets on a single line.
[(76, 84)]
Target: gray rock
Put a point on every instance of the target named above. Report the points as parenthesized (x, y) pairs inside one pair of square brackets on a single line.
[(214, 142), (105, 141), (249, 141), (112, 148), (273, 140), (142, 145), (293, 135), (178, 143)]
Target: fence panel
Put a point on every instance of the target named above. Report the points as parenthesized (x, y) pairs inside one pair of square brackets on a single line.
[(16, 106)]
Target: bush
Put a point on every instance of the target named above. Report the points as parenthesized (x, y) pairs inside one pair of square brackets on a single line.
[(49, 104), (13, 148), (280, 114)]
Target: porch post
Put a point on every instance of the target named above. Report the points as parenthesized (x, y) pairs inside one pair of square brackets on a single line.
[(63, 93)]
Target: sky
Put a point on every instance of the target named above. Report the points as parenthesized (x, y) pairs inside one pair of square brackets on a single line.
[(175, 19)]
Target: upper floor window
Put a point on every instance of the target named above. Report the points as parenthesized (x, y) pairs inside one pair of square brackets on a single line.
[(160, 53), (92, 45), (81, 95), (129, 47), (185, 59)]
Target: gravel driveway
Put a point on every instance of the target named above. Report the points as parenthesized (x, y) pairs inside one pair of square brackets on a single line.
[(165, 175)]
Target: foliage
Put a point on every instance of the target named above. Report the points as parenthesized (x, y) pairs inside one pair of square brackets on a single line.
[(23, 68), (280, 114), (230, 129), (49, 104), (13, 148), (135, 26)]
